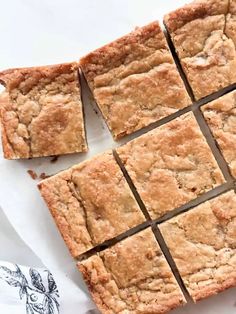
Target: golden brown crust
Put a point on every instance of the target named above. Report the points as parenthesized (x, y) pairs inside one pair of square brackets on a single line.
[(26, 78), (221, 118), (118, 52), (91, 203), (132, 277), (171, 165), (203, 33), (86, 273), (134, 80), (203, 245), (7, 148), (195, 10), (209, 291), (41, 112)]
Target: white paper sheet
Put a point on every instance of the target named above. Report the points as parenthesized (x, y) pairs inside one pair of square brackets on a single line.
[(51, 31), (12, 248)]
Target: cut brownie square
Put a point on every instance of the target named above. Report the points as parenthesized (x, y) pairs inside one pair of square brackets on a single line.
[(203, 245), (221, 118), (133, 276), (203, 33), (171, 165), (41, 112), (134, 80), (91, 203)]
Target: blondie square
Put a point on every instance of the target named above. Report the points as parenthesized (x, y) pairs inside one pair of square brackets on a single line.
[(204, 35), (203, 245), (91, 203), (41, 112), (171, 165), (131, 277), (221, 118), (134, 80)]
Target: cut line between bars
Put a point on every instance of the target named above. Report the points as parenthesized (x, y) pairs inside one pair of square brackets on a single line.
[(132, 186), (111, 242), (164, 248), (205, 129)]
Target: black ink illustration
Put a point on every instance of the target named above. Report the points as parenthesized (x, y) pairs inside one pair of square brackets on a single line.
[(39, 298)]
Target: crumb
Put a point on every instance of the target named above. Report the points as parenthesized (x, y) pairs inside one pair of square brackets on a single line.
[(33, 174), (54, 159), (95, 110), (43, 176)]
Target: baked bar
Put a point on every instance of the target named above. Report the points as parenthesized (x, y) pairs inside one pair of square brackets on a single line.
[(91, 203), (132, 277), (41, 112), (203, 245), (170, 165), (221, 118), (204, 36), (134, 80)]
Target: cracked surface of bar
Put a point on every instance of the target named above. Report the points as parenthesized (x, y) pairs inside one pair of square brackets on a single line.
[(221, 118), (135, 81), (171, 165), (132, 277), (203, 245), (41, 112), (91, 203), (204, 36)]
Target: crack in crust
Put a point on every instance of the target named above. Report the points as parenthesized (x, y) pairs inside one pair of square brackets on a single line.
[(132, 277), (203, 245), (41, 112), (221, 118), (203, 33), (134, 80), (171, 165), (91, 203)]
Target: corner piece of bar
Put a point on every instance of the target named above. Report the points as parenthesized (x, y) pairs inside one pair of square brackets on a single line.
[(41, 112), (133, 276), (135, 81), (91, 203), (203, 34), (171, 165), (203, 245), (221, 118)]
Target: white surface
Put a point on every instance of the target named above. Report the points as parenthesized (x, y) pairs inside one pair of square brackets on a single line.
[(16, 251), (38, 32)]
